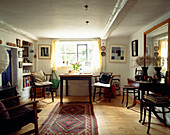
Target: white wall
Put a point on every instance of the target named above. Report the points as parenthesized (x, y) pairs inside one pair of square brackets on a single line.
[(7, 36), (118, 68), (139, 36)]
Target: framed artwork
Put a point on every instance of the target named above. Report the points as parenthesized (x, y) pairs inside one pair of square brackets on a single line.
[(44, 51), (135, 48), (117, 53)]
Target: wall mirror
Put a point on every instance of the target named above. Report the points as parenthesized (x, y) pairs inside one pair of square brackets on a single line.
[(156, 44)]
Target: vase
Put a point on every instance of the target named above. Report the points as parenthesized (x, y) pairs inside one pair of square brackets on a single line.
[(144, 73), (158, 72)]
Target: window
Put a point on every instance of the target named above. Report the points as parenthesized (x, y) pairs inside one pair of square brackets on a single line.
[(75, 52), (88, 53)]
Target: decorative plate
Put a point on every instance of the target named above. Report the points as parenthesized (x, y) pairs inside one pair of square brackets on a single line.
[(156, 48), (156, 54), (103, 48), (103, 54)]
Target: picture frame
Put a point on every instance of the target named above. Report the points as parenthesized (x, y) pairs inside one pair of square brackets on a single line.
[(44, 51), (117, 53), (135, 48)]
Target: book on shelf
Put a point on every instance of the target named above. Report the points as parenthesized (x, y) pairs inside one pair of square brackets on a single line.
[(26, 81), (156, 98)]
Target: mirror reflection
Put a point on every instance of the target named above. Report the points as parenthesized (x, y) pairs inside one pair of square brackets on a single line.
[(156, 46)]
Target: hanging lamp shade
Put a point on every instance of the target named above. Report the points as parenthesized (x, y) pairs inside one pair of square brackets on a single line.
[(4, 59)]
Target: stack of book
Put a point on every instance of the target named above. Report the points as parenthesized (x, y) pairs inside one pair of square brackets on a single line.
[(156, 99)]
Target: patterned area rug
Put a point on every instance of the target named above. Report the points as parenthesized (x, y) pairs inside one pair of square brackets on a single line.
[(70, 119)]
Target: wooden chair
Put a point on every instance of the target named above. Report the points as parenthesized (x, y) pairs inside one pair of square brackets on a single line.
[(105, 81), (41, 80), (13, 115), (151, 101), (128, 89)]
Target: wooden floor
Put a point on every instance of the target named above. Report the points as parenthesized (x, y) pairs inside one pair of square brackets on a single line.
[(112, 118)]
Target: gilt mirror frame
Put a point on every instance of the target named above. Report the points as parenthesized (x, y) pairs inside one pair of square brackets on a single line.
[(154, 28)]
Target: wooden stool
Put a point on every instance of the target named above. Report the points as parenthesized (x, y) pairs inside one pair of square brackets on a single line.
[(128, 89)]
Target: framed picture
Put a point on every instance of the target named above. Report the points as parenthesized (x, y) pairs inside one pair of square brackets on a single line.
[(44, 51), (117, 53), (135, 48)]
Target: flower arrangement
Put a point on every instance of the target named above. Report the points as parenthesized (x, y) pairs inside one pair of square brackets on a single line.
[(76, 65), (140, 60), (158, 61)]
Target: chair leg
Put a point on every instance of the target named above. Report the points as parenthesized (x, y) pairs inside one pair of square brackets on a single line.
[(109, 92), (100, 93), (144, 116), (35, 119), (94, 94), (34, 91), (52, 93), (141, 110), (164, 118), (123, 96), (149, 119), (127, 97), (44, 92)]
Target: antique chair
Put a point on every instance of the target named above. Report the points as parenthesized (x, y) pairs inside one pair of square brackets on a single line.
[(151, 102), (104, 82), (41, 80), (129, 89), (14, 115)]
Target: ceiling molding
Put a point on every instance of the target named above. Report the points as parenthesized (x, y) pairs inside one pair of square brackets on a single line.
[(11, 28)]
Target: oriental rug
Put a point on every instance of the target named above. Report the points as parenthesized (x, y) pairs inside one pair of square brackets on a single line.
[(70, 119)]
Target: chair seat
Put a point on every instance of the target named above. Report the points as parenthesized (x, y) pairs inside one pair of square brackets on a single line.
[(127, 87), (98, 84), (43, 83)]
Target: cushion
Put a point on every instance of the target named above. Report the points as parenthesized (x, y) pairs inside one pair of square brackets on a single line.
[(3, 115), (104, 78), (39, 76)]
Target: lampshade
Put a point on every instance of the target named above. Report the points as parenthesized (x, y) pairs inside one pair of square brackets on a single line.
[(4, 59)]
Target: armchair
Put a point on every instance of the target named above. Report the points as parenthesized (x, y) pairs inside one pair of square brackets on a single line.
[(41, 80), (14, 115)]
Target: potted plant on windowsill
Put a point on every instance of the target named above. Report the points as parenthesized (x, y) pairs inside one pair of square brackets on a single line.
[(144, 62)]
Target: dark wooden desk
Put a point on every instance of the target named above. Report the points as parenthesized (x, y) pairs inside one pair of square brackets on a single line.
[(144, 86), (74, 77)]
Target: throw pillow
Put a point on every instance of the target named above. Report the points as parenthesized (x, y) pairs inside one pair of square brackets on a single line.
[(104, 78), (39, 76), (3, 115)]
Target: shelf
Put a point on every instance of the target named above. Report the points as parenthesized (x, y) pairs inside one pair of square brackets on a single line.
[(27, 64), (24, 74), (27, 87)]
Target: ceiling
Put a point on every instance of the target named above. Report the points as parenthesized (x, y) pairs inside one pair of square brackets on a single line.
[(67, 18)]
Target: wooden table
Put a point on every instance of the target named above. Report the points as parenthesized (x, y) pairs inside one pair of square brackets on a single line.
[(74, 77), (144, 86)]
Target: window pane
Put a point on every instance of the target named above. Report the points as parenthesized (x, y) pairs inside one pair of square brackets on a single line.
[(82, 53)]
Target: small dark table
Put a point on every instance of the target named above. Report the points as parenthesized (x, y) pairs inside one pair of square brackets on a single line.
[(74, 77), (7, 91)]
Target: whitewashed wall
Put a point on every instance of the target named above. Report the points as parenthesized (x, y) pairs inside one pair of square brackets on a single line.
[(139, 36), (7, 36), (118, 68)]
